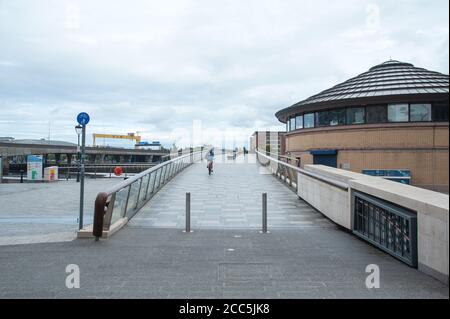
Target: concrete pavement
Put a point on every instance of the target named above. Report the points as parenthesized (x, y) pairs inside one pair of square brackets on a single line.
[(225, 257), (167, 263), (45, 212)]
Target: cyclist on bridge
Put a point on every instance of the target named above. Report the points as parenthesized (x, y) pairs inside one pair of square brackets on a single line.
[(210, 159)]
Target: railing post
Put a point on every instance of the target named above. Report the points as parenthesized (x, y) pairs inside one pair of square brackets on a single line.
[(160, 174), (148, 184), (172, 170), (188, 213), (139, 192), (154, 180), (264, 213), (167, 173), (288, 171)]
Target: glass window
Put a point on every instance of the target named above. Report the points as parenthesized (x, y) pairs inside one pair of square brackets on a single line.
[(287, 126), (299, 122), (440, 112), (376, 114), (308, 120), (292, 123), (398, 112), (330, 117), (355, 115), (420, 112)]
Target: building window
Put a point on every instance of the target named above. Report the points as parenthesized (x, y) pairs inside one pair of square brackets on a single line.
[(308, 120), (299, 122), (398, 112), (355, 115), (440, 112), (292, 123), (330, 117), (376, 114), (420, 112), (287, 126)]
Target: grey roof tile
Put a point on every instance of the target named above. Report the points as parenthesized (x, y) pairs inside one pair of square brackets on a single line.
[(389, 78)]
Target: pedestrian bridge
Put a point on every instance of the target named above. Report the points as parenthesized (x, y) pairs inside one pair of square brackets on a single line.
[(228, 199), (405, 222), (317, 245)]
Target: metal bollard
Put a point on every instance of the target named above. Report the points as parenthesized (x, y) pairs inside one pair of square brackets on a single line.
[(188, 213), (21, 175), (264, 214)]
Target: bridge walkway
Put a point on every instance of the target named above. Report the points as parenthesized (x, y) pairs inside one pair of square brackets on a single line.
[(304, 256), (228, 198)]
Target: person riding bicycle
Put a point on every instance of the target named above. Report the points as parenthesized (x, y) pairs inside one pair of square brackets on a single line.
[(210, 159)]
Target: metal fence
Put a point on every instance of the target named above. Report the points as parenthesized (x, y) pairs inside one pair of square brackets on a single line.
[(103, 170), (387, 226), (288, 173), (126, 198)]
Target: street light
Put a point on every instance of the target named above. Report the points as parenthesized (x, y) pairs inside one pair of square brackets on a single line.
[(78, 130)]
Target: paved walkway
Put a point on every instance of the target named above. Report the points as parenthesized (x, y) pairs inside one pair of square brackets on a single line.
[(45, 212), (304, 256), (167, 263), (229, 198)]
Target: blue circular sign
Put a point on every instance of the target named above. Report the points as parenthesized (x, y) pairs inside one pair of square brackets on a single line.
[(83, 118)]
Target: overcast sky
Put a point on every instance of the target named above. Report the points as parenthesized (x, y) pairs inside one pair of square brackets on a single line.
[(157, 66)]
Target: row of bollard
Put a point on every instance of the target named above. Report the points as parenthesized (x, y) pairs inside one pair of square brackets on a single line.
[(264, 214)]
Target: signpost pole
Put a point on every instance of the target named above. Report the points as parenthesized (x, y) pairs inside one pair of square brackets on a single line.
[(83, 120), (1, 169), (83, 144), (78, 155)]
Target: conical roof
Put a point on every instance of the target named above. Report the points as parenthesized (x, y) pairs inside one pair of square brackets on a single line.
[(389, 79)]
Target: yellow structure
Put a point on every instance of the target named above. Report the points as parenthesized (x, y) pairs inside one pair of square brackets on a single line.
[(129, 136)]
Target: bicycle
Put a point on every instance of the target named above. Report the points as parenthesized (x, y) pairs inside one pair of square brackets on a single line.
[(210, 167)]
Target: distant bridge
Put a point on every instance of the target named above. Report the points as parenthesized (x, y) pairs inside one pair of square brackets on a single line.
[(13, 149)]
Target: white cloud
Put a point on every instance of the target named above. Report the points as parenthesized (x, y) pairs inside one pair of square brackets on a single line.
[(155, 66)]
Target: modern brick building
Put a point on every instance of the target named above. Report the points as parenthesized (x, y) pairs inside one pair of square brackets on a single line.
[(269, 141), (391, 121)]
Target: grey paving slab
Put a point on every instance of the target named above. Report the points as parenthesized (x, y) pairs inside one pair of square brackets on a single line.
[(44, 212), (229, 198), (141, 262)]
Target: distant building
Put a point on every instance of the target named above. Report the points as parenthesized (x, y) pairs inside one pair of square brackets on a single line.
[(269, 141), (6, 139), (43, 142), (155, 145), (390, 120)]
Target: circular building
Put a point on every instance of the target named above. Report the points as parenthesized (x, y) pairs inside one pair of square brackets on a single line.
[(390, 121)]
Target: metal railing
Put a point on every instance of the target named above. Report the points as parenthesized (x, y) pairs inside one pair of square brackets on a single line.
[(126, 198), (103, 170), (288, 173), (387, 226), (295, 161)]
